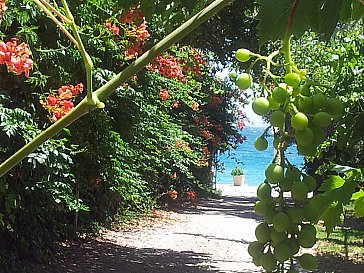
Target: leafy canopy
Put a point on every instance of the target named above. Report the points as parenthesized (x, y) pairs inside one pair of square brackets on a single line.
[(321, 16)]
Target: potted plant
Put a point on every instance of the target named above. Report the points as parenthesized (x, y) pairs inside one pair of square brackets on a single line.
[(238, 176)]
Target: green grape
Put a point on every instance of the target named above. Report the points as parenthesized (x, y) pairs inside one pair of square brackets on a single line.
[(261, 143), (293, 173), (294, 245), (299, 121), (262, 233), (308, 261), (286, 184), (296, 215), (243, 55), (306, 239), (260, 106), (264, 191), (256, 260), (268, 217), (279, 94), (299, 191), (319, 102), (309, 228), (334, 107), (282, 252), (292, 270), (292, 79), (281, 222), (305, 104), (244, 81), (318, 136), (305, 90), (277, 237), (310, 182), (306, 150), (274, 173), (268, 262), (304, 137), (261, 207), (255, 248), (321, 119), (273, 105), (277, 118)]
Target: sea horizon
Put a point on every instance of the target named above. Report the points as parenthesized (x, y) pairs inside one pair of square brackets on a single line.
[(252, 161)]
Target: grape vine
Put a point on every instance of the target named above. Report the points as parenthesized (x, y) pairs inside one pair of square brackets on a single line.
[(299, 110)]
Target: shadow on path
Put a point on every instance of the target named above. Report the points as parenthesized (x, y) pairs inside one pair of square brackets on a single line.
[(237, 206), (98, 257)]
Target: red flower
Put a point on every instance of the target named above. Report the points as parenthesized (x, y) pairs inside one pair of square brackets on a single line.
[(164, 94), (168, 67), (16, 57), (175, 105), (195, 106), (206, 134), (241, 124), (58, 106), (3, 7), (52, 100), (173, 194)]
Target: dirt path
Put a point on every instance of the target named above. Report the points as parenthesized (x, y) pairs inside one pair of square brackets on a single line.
[(211, 238)]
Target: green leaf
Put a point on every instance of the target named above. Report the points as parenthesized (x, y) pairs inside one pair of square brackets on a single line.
[(333, 182), (273, 16), (345, 193), (359, 207), (358, 10), (332, 216), (357, 195), (346, 10), (322, 16), (306, 11)]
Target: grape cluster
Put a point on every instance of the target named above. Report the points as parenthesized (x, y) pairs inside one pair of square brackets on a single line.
[(298, 111)]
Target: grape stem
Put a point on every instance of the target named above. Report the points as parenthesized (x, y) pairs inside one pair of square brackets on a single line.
[(287, 37)]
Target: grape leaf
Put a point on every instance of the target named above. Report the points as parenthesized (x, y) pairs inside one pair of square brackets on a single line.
[(358, 10), (328, 17), (273, 16), (332, 216), (322, 16), (306, 11), (346, 10), (359, 207), (333, 182)]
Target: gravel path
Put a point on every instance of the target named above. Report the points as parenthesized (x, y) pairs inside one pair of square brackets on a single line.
[(210, 238)]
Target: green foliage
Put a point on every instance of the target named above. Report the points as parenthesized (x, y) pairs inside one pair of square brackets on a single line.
[(237, 171), (114, 162), (320, 16)]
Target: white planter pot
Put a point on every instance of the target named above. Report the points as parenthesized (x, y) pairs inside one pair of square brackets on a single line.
[(238, 180)]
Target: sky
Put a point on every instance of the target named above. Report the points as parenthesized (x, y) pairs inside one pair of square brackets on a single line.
[(254, 119)]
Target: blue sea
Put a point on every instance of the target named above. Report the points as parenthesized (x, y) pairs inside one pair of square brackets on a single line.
[(253, 162)]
